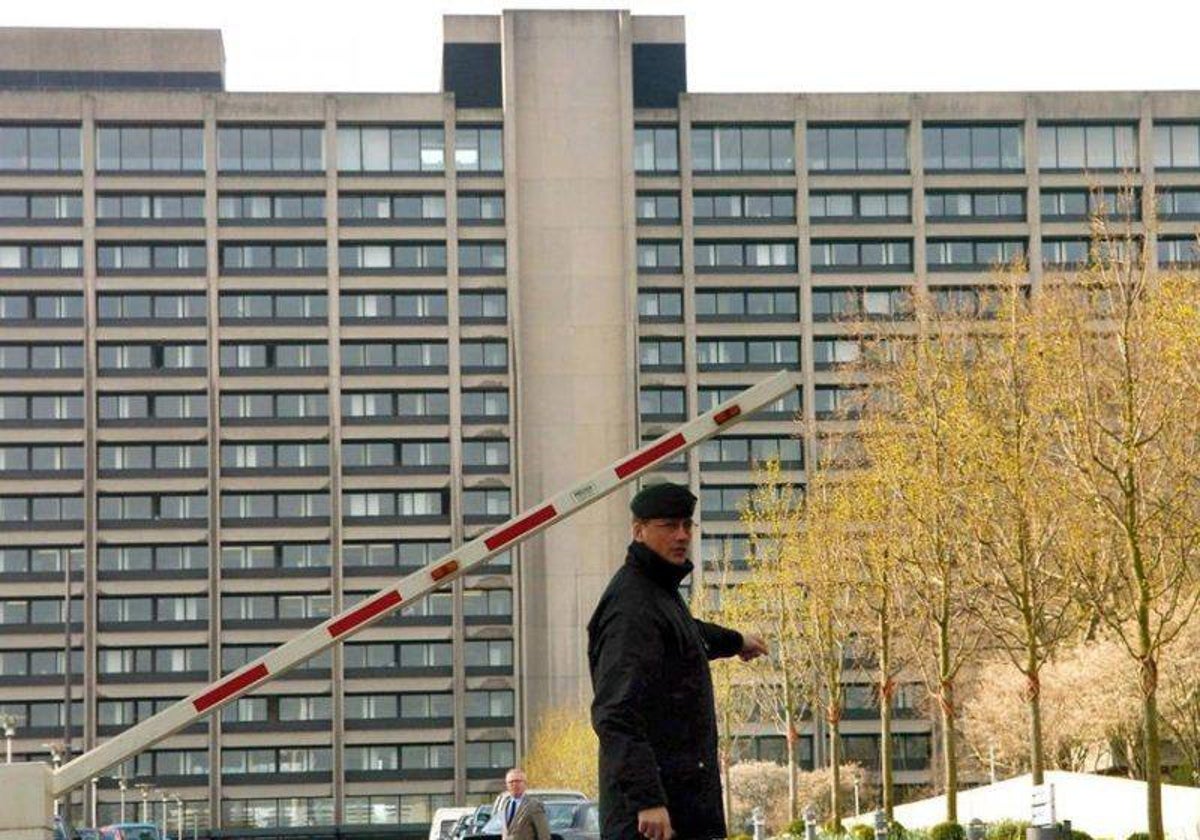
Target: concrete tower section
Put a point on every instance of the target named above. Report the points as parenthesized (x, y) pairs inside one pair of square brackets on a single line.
[(569, 182)]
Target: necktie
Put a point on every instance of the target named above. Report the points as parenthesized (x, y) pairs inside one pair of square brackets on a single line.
[(512, 809)]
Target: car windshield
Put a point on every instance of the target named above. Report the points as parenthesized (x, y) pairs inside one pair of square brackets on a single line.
[(561, 814), (141, 832)]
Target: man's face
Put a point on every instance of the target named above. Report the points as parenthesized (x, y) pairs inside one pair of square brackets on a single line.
[(668, 538), (515, 782)]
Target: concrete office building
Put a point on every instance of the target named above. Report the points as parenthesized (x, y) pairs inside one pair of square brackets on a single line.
[(263, 352)]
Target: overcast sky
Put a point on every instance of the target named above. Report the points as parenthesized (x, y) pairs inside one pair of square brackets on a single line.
[(733, 45)]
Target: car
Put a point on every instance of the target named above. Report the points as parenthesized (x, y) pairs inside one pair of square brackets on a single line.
[(444, 820), (560, 813), (130, 831), (87, 834), (581, 822), (465, 825), (62, 829)]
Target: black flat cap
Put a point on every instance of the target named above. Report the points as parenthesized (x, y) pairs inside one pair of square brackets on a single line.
[(665, 500)]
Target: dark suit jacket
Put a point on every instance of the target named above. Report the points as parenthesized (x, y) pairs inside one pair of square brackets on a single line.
[(529, 823)]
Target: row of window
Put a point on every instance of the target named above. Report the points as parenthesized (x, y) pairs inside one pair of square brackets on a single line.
[(251, 208), (884, 148), (251, 149)]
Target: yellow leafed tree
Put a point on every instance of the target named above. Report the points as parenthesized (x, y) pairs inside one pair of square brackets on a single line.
[(564, 752)]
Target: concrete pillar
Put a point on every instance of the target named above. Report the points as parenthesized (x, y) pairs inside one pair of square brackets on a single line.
[(28, 812)]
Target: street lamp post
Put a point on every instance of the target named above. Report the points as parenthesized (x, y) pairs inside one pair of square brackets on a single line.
[(56, 754), (180, 814), (145, 788), (123, 785), (95, 801), (857, 809), (10, 732), (164, 813)]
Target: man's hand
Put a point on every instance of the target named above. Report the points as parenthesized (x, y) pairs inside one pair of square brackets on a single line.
[(655, 824), (752, 647)]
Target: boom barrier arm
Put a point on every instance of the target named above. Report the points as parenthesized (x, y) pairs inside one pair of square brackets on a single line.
[(412, 588)]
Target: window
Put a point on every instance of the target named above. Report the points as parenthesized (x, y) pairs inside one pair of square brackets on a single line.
[(485, 406), (191, 358), (859, 207), (962, 148), (410, 356), (391, 149), (153, 458), (657, 208), (971, 254), (481, 455), (494, 755), (486, 504), (483, 307), (158, 148), (390, 504), (290, 456), (1087, 146), (46, 409), (275, 556), (480, 257), (412, 455), (403, 554), (489, 704), (484, 356), (147, 558), (395, 406), (1178, 203), (661, 404), (829, 353), (49, 208), (240, 506), (41, 308), (744, 453), (479, 148), (405, 258), (969, 301), (1078, 205), (277, 356), (275, 258), (1178, 252), (731, 255), (660, 354), (136, 306), (41, 459), (743, 148), (494, 653), (261, 406), (655, 149), (147, 609), (480, 208), (1176, 146), (39, 559), (162, 208), (487, 602), (187, 258), (784, 408), (750, 304), (659, 257), (40, 359), (165, 507), (167, 660), (746, 354), (38, 258), (267, 306), (982, 205), (40, 148), (403, 307), (396, 208), (861, 148), (264, 208), (831, 256), (870, 303), (722, 502), (715, 208), (837, 402), (270, 149), (658, 305)]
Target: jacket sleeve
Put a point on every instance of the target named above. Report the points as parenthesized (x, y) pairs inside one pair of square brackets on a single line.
[(541, 823), (721, 641), (628, 655)]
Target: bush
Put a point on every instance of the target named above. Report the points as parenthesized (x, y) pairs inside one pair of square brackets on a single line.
[(896, 831), (1007, 830), (947, 831), (740, 837), (1080, 835), (833, 827), (795, 828), (863, 832), (1138, 835)]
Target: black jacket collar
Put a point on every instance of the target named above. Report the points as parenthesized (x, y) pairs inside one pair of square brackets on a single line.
[(660, 570)]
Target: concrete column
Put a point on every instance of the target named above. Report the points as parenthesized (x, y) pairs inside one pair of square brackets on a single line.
[(568, 116)]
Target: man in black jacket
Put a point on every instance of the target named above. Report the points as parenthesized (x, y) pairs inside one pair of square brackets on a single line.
[(653, 709)]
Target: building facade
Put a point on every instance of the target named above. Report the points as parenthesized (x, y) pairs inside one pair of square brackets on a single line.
[(262, 353)]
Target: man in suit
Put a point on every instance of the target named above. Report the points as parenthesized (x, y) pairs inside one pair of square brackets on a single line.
[(521, 817)]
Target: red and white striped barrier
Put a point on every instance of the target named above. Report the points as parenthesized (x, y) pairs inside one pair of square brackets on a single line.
[(416, 585)]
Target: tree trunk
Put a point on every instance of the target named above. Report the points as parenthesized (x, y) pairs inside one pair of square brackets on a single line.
[(1154, 816), (793, 780), (886, 689), (1037, 758), (726, 763), (835, 765), (949, 733)]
